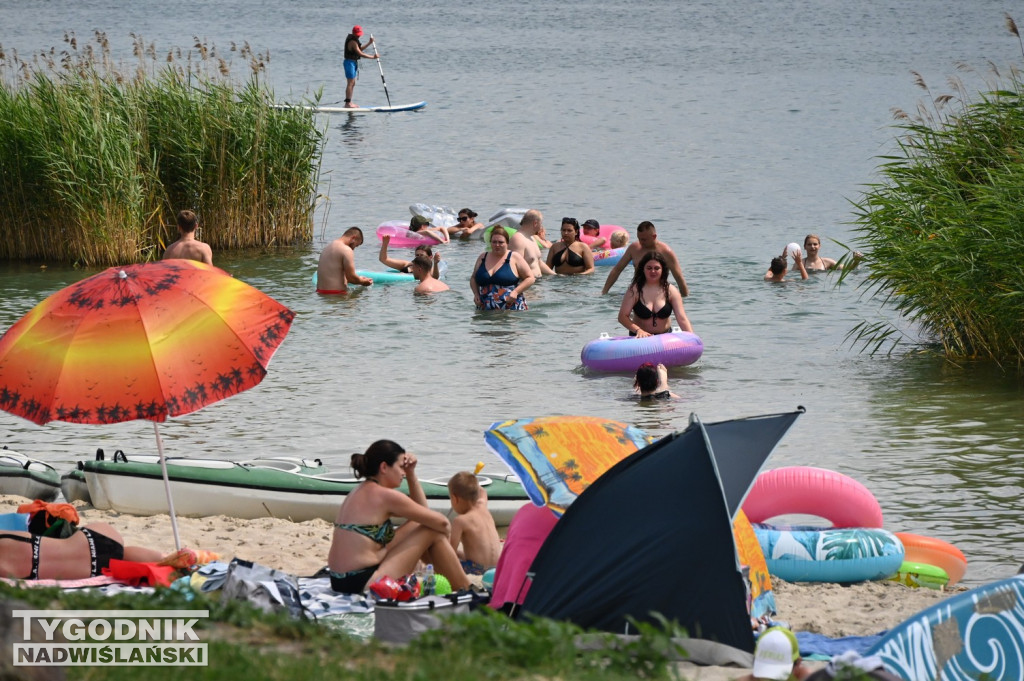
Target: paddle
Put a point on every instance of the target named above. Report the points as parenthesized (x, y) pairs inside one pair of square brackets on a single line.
[(381, 67)]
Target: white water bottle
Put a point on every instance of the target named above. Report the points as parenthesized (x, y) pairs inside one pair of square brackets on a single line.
[(429, 581)]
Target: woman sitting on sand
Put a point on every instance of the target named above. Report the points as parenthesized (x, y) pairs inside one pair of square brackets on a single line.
[(570, 255), (650, 300), (366, 546), (84, 554)]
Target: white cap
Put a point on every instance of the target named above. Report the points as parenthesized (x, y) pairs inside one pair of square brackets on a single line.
[(776, 651)]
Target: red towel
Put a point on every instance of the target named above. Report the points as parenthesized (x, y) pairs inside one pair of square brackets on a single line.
[(139, 574)]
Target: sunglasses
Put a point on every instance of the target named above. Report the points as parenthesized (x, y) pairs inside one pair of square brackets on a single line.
[(463, 218), (571, 221)]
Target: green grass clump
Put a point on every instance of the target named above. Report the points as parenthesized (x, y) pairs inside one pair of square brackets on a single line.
[(944, 232), (97, 158), (245, 643)]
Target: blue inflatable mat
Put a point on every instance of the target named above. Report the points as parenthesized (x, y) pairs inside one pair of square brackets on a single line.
[(17, 522)]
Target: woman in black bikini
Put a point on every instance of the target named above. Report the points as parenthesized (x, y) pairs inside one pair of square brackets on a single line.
[(366, 546), (570, 255), (84, 554), (650, 300)]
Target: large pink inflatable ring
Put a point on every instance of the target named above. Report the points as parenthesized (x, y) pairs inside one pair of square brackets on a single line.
[(402, 236), (812, 491), (606, 232)]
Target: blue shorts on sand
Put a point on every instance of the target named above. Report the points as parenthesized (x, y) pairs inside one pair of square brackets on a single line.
[(351, 68)]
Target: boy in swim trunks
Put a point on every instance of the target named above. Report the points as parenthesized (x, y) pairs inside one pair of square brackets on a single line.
[(474, 527)]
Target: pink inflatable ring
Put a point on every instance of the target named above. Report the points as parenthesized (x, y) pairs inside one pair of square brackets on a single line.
[(605, 232), (402, 236), (812, 491)]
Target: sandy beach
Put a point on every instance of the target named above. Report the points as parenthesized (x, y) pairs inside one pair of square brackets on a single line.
[(301, 549)]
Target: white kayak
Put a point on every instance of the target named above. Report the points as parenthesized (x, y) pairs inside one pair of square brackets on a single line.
[(259, 488), (26, 477), (343, 109)]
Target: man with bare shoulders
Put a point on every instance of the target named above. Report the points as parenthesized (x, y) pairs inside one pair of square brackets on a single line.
[(337, 268), (647, 241), (523, 243), (422, 269), (188, 247)]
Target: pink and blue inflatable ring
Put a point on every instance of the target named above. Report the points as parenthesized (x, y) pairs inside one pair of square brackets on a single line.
[(627, 353)]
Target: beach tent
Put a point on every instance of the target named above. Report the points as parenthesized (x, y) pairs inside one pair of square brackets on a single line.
[(526, 534), (654, 534)]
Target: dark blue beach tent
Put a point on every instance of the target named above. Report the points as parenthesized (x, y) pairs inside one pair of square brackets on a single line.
[(654, 534)]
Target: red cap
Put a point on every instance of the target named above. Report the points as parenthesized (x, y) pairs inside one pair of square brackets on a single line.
[(357, 30)]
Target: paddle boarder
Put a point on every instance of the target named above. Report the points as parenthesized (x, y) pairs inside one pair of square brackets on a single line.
[(353, 53), (188, 247)]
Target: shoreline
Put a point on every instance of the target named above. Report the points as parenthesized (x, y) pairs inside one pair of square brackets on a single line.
[(833, 610)]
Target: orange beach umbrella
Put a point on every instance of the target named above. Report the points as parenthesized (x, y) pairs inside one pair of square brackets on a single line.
[(144, 341)]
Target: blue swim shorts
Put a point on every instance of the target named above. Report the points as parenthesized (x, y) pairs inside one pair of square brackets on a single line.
[(472, 568), (351, 68)]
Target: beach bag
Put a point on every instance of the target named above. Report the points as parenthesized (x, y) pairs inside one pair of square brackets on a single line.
[(268, 589), (51, 519), (402, 621)]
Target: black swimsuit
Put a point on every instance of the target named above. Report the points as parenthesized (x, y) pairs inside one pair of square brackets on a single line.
[(575, 259), (644, 312), (101, 550), (35, 541)]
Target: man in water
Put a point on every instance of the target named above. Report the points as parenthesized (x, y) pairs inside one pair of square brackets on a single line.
[(422, 269), (337, 268), (188, 247), (353, 53), (522, 242), (647, 241)]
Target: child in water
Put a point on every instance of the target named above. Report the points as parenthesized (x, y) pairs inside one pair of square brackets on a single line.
[(779, 266), (474, 527), (651, 382)]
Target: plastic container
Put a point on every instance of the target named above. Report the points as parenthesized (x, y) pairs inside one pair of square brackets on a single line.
[(429, 581)]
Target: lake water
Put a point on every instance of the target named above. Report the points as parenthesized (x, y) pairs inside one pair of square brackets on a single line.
[(735, 127)]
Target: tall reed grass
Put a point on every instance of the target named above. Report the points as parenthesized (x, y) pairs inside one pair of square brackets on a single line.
[(943, 233), (97, 157)]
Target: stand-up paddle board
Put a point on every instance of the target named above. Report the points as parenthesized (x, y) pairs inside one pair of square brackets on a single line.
[(342, 109), (974, 635)]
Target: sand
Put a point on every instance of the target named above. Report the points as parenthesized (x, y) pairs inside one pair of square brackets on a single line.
[(301, 549)]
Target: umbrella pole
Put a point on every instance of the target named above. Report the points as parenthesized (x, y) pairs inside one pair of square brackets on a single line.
[(167, 486)]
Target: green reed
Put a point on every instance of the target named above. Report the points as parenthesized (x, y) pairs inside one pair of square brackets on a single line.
[(97, 157), (943, 233)]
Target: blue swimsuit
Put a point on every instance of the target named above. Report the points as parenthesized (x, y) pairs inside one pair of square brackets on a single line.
[(495, 288)]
